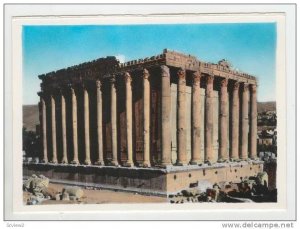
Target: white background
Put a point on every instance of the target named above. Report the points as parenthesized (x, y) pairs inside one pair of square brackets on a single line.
[(290, 116)]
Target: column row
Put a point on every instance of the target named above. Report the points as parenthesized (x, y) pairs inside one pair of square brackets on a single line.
[(239, 125)]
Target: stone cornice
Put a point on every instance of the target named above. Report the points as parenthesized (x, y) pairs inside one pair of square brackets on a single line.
[(106, 67)]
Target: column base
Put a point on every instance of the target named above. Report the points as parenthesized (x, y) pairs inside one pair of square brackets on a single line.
[(146, 164), (223, 160), (234, 159), (114, 163), (208, 162), (54, 161), (196, 162), (44, 161), (99, 163), (64, 161), (128, 164), (75, 162), (181, 163), (165, 165), (87, 162)]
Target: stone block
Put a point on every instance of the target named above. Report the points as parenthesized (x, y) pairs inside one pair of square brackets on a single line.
[(73, 191)]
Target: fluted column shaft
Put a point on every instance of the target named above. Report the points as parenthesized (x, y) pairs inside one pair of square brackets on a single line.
[(209, 157), (146, 116), (74, 127), (44, 129), (253, 138), (53, 127), (165, 116), (196, 120), (128, 81), (181, 119), (234, 145), (87, 160), (114, 122), (245, 121), (100, 160), (223, 121), (64, 132)]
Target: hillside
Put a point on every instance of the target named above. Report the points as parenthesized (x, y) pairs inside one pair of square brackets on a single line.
[(266, 106), (30, 117)]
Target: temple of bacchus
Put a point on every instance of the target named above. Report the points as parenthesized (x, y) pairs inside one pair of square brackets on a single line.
[(154, 125)]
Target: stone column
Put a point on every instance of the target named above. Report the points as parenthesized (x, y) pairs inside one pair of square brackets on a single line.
[(223, 155), (114, 122), (44, 128), (234, 145), (253, 136), (64, 132), (196, 120), (165, 116), (87, 160), (100, 160), (181, 119), (209, 157), (146, 116), (245, 121), (74, 128), (128, 80), (53, 127)]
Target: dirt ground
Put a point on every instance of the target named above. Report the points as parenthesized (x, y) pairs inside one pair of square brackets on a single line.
[(101, 197)]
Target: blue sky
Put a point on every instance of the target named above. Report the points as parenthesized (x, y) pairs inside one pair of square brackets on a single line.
[(249, 47)]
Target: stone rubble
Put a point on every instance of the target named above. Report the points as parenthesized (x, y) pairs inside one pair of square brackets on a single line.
[(39, 191), (253, 189)]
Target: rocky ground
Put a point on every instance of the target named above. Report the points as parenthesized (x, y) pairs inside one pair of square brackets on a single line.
[(91, 196), (39, 190), (253, 189)]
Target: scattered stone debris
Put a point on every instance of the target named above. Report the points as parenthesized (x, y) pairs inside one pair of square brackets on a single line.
[(39, 191), (73, 191), (37, 186), (250, 189)]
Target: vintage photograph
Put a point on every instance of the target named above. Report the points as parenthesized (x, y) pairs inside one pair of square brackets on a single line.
[(180, 113)]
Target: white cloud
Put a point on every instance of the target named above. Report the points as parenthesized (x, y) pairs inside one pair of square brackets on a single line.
[(121, 58)]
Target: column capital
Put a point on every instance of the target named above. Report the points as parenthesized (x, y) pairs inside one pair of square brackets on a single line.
[(146, 74), (196, 78), (127, 77), (61, 91), (245, 86), (41, 94), (112, 79), (98, 84), (236, 85), (209, 79), (165, 71), (72, 90), (84, 85), (253, 88), (181, 73), (224, 82)]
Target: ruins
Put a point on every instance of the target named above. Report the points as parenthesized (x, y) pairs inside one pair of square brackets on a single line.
[(155, 125)]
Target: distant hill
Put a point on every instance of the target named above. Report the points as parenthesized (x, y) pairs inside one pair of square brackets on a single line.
[(266, 106), (30, 117)]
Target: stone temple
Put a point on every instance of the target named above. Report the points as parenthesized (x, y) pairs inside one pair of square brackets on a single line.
[(155, 125)]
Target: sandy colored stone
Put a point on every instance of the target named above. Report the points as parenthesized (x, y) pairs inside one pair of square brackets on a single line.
[(181, 119), (74, 127), (165, 116), (209, 154), (73, 191), (87, 160)]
